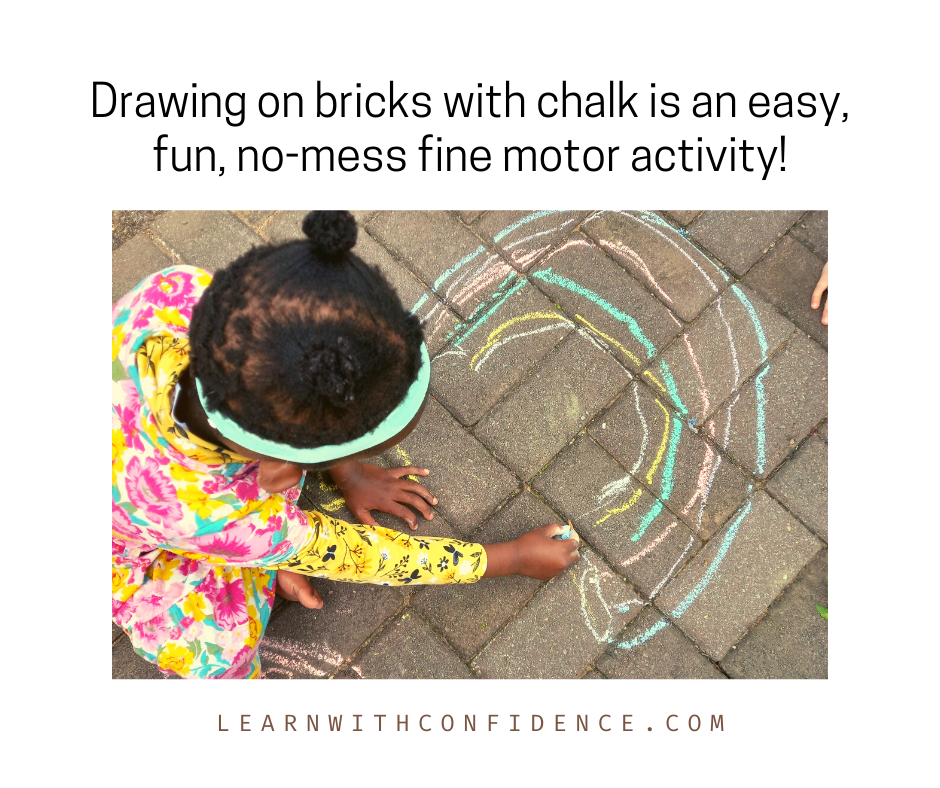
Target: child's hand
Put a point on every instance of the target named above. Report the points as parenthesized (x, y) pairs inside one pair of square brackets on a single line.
[(366, 487), (534, 554), (821, 287), (543, 557)]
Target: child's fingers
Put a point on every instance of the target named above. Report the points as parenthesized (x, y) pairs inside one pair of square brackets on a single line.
[(409, 470), (405, 513), (420, 489), (825, 317), (552, 529), (821, 287), (364, 517), (417, 502)]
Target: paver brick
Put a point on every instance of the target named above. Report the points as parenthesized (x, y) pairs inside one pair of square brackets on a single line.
[(414, 295), (733, 580), (470, 378), (823, 431), (443, 253), (787, 398), (718, 353), (802, 485), (133, 262), (468, 482), (638, 537), (407, 649), (116, 632), (652, 648), (813, 232), (469, 217), (671, 460), (565, 626), (599, 294), (740, 238), (677, 272), (593, 674), (682, 217), (468, 615), (524, 236), (303, 643), (255, 218), (286, 226), (552, 405), (787, 276), (363, 217), (126, 224), (206, 239), (792, 640)]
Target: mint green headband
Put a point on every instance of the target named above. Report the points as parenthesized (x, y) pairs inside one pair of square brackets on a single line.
[(394, 423)]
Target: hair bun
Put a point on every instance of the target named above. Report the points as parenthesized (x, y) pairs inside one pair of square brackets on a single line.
[(331, 232)]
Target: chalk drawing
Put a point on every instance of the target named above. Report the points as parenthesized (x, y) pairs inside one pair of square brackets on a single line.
[(625, 251), (611, 512), (464, 281), (549, 276), (285, 657), (649, 548), (495, 337), (646, 432), (681, 609), (516, 225), (486, 309), (648, 518), (592, 575), (451, 271), (554, 327), (662, 445), (759, 379), (651, 219), (610, 339), (640, 639), (671, 569)]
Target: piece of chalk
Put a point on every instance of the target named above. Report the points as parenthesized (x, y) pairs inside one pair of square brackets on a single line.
[(564, 535)]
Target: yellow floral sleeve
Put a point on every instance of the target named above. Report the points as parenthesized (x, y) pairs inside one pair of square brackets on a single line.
[(365, 554)]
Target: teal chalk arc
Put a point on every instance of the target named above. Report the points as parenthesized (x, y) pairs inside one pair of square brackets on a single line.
[(702, 584), (549, 276)]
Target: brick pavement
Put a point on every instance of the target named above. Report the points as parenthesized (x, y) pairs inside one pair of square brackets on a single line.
[(656, 377)]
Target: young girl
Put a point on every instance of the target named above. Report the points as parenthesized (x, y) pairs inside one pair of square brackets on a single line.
[(225, 391)]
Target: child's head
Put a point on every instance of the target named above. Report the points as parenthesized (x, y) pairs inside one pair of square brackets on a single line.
[(303, 343)]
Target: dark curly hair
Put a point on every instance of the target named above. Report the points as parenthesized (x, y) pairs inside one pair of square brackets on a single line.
[(304, 343)]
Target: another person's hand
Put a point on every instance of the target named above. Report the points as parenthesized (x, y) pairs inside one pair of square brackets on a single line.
[(297, 588), (821, 287), (366, 487)]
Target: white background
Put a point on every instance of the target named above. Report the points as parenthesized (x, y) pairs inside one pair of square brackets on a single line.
[(875, 174)]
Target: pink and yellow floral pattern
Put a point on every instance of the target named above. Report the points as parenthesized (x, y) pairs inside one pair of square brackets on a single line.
[(195, 541)]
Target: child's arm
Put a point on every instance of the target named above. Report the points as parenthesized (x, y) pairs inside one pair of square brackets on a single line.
[(357, 553)]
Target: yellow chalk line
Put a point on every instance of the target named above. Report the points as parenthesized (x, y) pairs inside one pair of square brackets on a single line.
[(662, 446), (660, 385), (611, 512), (610, 339), (403, 456), (494, 335)]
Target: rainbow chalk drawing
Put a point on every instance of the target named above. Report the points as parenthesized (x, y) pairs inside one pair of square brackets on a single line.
[(480, 270)]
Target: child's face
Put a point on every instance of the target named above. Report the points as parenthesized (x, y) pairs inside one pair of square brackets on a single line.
[(275, 476)]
